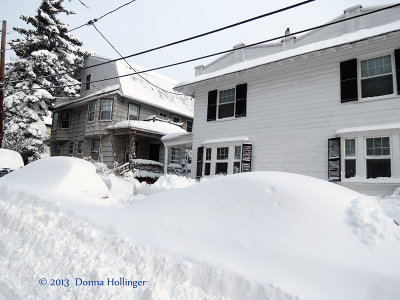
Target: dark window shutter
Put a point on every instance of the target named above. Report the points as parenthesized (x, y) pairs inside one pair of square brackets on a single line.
[(348, 80), (334, 159), (241, 99), (397, 60), (212, 106), (199, 171), (246, 157)]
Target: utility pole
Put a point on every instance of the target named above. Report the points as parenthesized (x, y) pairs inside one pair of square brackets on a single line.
[(2, 67)]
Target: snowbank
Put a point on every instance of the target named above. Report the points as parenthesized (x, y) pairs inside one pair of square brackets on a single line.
[(59, 176), (164, 183), (310, 238), (10, 159)]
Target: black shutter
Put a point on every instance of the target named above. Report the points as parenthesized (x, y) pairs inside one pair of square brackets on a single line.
[(334, 159), (241, 99), (348, 80), (246, 157), (199, 171), (397, 60), (212, 105)]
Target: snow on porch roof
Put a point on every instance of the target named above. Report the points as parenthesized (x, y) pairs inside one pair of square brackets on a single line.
[(157, 127), (137, 88), (369, 128), (344, 39)]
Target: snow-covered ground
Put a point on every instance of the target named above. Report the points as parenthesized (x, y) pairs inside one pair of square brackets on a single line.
[(261, 235)]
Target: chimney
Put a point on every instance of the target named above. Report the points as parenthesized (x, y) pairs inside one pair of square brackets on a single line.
[(198, 70), (288, 40), (238, 54), (354, 24)]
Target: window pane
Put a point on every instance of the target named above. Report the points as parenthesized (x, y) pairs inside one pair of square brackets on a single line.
[(238, 152), (350, 168), (106, 109), (208, 153), (133, 113), (189, 126), (376, 66), (207, 167), (236, 167), (377, 86), (221, 168), (222, 153), (378, 146), (378, 168), (350, 147), (227, 96), (226, 110)]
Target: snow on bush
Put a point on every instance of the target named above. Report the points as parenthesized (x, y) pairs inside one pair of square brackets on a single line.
[(66, 176), (391, 205), (10, 159)]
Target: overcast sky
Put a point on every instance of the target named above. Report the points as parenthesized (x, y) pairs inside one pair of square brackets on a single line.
[(144, 24)]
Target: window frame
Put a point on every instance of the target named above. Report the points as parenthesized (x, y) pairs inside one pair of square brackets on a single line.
[(176, 117), (174, 156), (101, 109), (71, 147), (234, 104), (55, 121), (80, 147), (187, 126), (61, 119), (359, 75), (91, 112), (349, 157), (237, 160), (138, 111), (378, 157)]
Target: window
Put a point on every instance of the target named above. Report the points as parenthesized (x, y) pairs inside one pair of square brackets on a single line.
[(80, 147), (226, 104), (350, 158), (176, 119), (237, 159), (87, 82), (133, 112), (207, 163), (95, 149), (65, 119), (54, 125), (71, 148), (189, 126), (376, 76), (91, 110), (175, 155), (378, 157), (78, 90), (106, 109), (221, 166)]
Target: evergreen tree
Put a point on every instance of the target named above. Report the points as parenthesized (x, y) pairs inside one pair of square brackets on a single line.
[(45, 49)]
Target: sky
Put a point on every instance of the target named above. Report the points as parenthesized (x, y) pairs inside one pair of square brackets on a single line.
[(145, 24)]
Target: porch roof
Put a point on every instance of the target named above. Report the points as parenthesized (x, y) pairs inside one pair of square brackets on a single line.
[(156, 127)]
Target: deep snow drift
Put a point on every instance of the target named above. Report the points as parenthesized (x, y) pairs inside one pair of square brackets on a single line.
[(261, 235)]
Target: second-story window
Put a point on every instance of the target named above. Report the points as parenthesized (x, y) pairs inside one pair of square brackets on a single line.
[(376, 76), (91, 110), (189, 126), (106, 109), (65, 119), (226, 104), (87, 82), (133, 112)]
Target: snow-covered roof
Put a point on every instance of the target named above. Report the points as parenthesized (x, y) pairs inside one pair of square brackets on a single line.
[(369, 128), (157, 127), (316, 46), (138, 88), (226, 140), (177, 135)]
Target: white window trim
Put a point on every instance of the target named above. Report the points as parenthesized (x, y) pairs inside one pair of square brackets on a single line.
[(138, 109), (172, 155), (230, 160), (234, 104), (94, 115), (371, 56), (366, 157)]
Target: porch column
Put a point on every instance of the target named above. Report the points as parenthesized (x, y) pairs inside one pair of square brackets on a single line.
[(165, 159), (132, 148)]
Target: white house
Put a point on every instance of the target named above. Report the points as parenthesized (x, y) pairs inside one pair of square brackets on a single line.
[(324, 104)]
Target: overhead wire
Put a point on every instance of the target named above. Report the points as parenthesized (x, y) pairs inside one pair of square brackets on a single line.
[(231, 50), (130, 66), (183, 40)]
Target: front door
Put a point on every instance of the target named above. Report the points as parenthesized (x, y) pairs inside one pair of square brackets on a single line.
[(154, 152)]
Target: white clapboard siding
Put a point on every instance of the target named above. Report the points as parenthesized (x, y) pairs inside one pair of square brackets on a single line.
[(293, 107)]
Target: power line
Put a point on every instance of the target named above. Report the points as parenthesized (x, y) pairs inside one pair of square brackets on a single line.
[(227, 51), (178, 42), (90, 22), (130, 66)]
